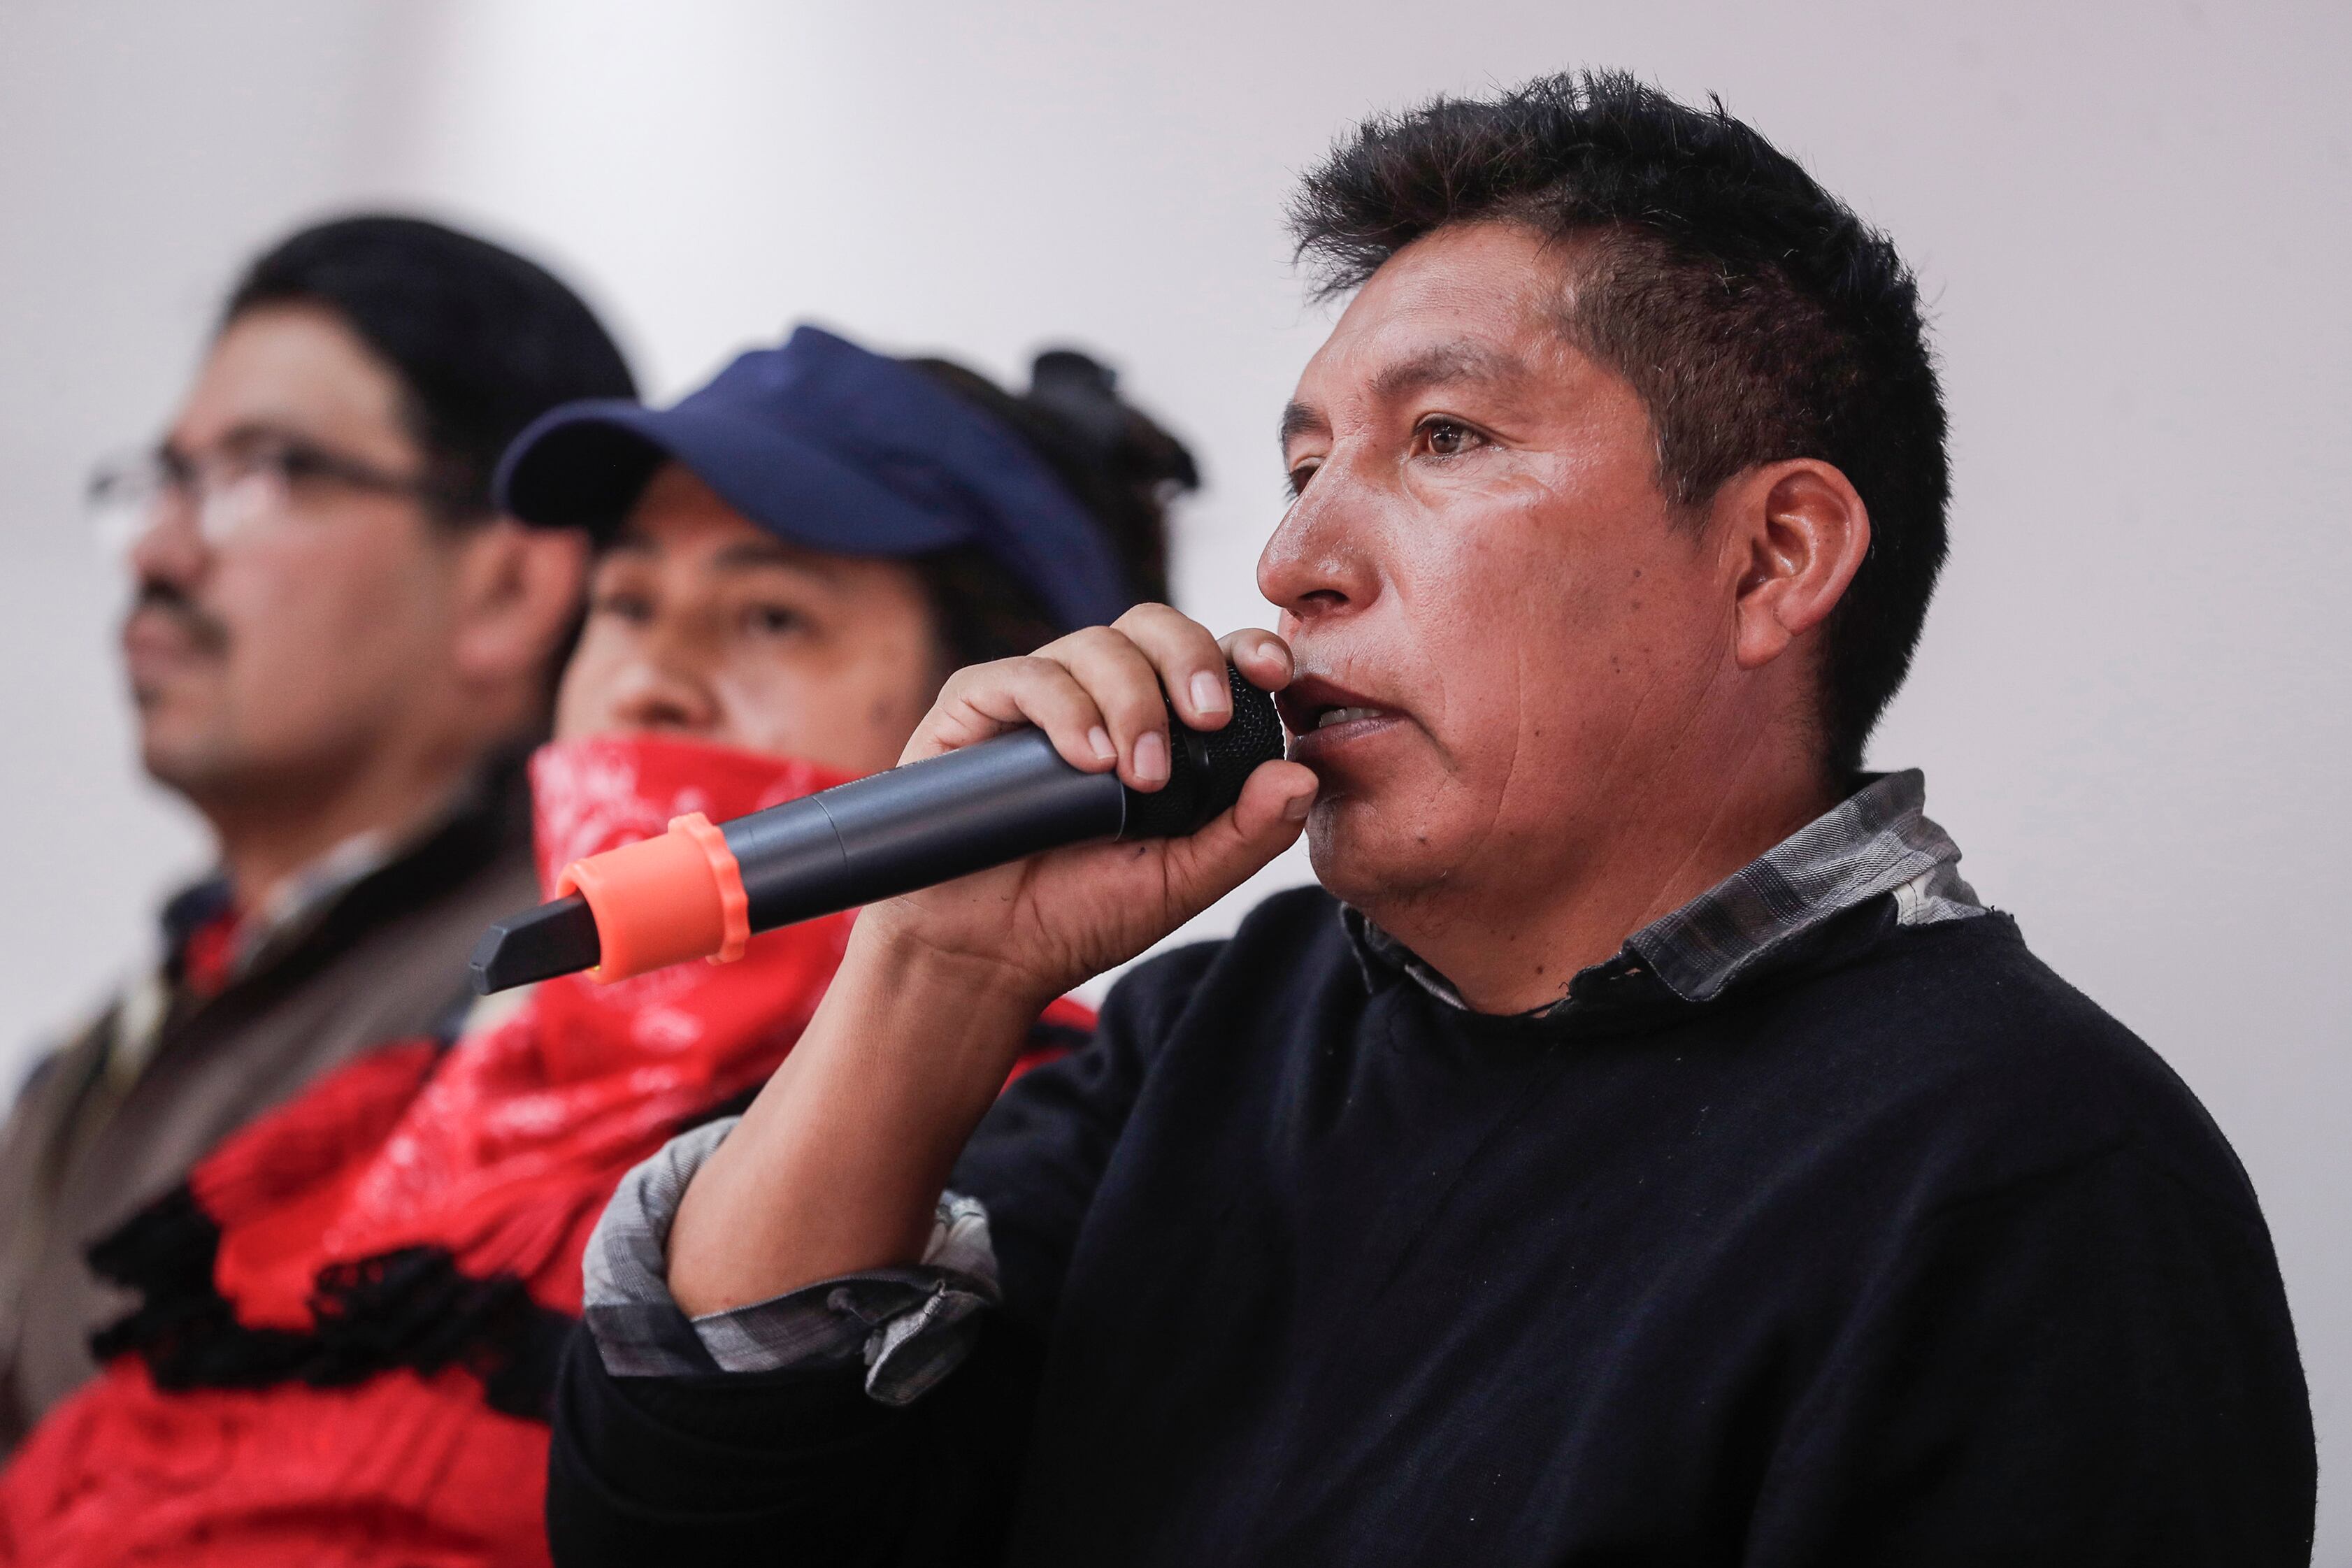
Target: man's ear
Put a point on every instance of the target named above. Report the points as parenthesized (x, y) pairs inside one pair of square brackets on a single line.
[(1798, 532), (519, 589)]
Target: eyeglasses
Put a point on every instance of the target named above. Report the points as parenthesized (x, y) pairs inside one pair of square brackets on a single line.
[(227, 491)]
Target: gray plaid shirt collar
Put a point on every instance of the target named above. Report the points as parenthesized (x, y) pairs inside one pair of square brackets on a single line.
[(1877, 842)]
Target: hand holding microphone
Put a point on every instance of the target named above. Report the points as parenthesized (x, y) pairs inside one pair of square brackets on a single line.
[(1060, 918)]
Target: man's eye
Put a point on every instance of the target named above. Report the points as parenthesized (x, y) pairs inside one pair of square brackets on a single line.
[(622, 604), (1448, 438), (234, 463), (773, 619), (296, 462), (1298, 477)]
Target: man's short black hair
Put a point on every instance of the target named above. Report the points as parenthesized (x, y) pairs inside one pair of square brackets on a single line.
[(1756, 315), (482, 341)]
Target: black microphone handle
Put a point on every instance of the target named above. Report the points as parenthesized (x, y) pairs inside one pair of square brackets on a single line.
[(1001, 801), (929, 822)]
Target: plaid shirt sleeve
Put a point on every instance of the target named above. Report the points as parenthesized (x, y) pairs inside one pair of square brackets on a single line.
[(910, 1326)]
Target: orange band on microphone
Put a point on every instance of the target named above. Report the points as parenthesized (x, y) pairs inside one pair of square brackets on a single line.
[(726, 879), (663, 901)]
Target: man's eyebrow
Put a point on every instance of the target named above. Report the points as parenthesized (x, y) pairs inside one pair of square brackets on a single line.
[(749, 555), (246, 433), (1463, 360), (745, 555), (1300, 419)]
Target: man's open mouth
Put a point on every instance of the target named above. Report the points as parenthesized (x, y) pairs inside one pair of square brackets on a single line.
[(1312, 705)]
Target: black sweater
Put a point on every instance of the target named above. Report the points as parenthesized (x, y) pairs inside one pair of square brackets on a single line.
[(1902, 1251)]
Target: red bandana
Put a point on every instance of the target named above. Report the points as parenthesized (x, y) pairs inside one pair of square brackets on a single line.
[(488, 1159), (497, 1155)]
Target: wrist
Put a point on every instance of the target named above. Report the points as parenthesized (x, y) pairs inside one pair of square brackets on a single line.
[(837, 1166), (940, 1023), (909, 963)]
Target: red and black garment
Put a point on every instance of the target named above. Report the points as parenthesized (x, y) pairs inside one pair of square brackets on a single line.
[(349, 1317)]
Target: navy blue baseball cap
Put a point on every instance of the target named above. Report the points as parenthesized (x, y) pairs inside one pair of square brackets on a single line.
[(828, 446)]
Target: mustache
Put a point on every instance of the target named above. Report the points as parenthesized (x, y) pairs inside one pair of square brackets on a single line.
[(169, 599)]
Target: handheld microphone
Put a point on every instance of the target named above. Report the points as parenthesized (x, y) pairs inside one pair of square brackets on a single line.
[(699, 890)]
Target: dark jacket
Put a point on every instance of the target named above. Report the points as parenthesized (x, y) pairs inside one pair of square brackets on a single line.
[(1898, 1251), (383, 960)]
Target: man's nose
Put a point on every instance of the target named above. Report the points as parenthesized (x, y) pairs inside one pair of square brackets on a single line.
[(170, 548), (1319, 562)]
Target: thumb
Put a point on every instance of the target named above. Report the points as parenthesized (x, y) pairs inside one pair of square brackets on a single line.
[(1265, 821)]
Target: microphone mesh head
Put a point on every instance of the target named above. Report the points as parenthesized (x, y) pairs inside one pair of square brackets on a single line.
[(1209, 767)]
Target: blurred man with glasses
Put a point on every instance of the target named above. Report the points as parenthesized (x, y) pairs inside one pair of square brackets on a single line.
[(338, 653)]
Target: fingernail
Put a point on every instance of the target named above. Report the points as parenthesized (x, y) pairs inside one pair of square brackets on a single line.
[(1151, 756), (1099, 739), (1295, 809), (1209, 693)]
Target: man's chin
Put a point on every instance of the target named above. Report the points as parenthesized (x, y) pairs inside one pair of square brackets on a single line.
[(179, 757), (1367, 859)]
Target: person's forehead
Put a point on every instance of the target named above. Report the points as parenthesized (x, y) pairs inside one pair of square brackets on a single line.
[(1483, 302), (678, 520), (298, 369)]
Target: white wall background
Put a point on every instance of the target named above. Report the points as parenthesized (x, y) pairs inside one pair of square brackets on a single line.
[(2131, 215)]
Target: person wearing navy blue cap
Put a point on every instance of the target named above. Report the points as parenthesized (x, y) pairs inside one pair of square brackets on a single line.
[(839, 449), (864, 525)]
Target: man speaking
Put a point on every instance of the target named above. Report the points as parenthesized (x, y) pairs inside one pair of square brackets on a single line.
[(1645, 1148)]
